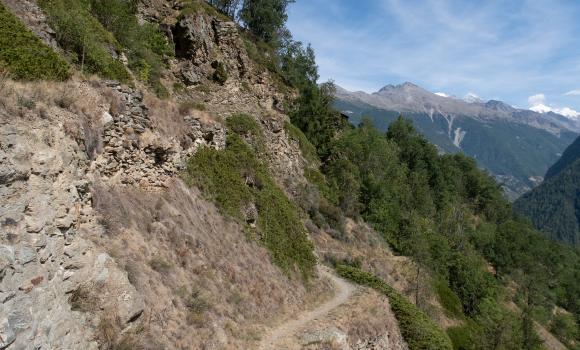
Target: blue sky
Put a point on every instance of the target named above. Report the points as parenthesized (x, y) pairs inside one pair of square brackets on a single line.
[(526, 53)]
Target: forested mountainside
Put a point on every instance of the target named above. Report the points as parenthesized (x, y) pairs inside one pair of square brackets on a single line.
[(554, 206), (516, 146), (173, 176), (570, 155)]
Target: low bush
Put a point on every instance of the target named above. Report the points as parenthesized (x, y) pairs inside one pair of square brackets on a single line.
[(249, 129), (235, 179), (461, 337), (159, 265), (448, 299), (24, 55), (417, 329), (564, 327), (191, 7), (84, 38), (307, 149), (315, 177), (220, 74), (146, 45)]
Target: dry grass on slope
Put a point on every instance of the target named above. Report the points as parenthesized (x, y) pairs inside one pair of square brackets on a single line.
[(362, 244), (365, 318), (204, 282)]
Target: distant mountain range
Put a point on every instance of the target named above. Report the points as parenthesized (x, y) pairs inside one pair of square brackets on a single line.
[(554, 206), (515, 145)]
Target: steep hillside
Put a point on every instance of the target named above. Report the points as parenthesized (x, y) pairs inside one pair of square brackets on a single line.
[(121, 227), (554, 206), (188, 185), (516, 146), (570, 155)]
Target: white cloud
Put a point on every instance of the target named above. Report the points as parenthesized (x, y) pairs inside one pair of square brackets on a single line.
[(537, 99), (538, 104), (459, 49), (442, 94), (573, 93), (568, 112)]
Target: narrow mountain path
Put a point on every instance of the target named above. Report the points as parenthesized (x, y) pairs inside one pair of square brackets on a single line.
[(343, 291)]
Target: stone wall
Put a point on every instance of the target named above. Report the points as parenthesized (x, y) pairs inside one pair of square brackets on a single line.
[(135, 154)]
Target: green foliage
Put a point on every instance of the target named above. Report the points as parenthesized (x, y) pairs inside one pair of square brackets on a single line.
[(215, 8), (85, 39), (227, 7), (500, 146), (307, 149), (448, 299), (235, 179), (461, 337), (564, 327), (26, 102), (448, 216), (470, 281), (494, 328), (248, 128), (315, 177), (24, 56), (418, 330), (145, 44), (264, 18), (571, 154), (312, 113), (220, 75), (262, 54), (554, 206)]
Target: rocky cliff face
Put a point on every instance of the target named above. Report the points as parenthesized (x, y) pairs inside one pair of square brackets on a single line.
[(102, 246), (47, 259)]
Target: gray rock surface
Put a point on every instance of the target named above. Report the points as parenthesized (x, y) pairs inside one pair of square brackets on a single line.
[(45, 254)]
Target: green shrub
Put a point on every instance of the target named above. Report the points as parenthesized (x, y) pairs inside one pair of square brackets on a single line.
[(192, 7), (315, 177), (24, 56), (417, 329), (146, 44), (448, 299), (79, 33), (462, 337), (307, 149), (220, 75), (248, 128), (26, 102), (266, 58), (565, 328), (234, 178), (159, 265), (244, 125)]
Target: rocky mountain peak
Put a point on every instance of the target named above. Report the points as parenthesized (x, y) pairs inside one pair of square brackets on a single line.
[(499, 106), (406, 86)]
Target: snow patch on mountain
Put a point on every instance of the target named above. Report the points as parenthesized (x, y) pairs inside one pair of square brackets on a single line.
[(472, 98), (538, 104)]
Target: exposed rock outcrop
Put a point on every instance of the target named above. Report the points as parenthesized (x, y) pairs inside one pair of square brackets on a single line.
[(135, 154), (31, 15), (45, 254)]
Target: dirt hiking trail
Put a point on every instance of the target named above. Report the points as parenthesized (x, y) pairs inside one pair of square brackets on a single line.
[(275, 338)]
